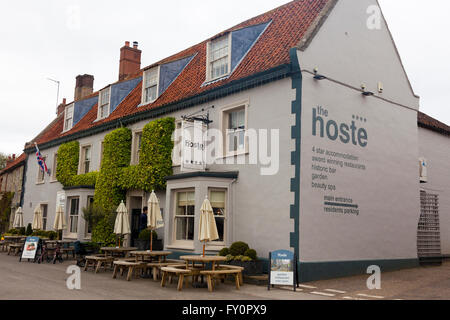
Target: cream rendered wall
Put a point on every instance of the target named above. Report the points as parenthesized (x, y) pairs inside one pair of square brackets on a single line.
[(261, 207), (435, 147), (387, 191)]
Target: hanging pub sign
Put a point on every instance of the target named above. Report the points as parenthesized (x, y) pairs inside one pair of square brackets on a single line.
[(283, 269), (193, 149), (30, 248)]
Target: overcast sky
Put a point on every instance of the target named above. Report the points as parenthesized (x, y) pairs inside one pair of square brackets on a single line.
[(60, 39)]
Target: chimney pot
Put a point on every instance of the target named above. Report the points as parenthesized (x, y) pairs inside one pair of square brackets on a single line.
[(84, 86), (130, 60)]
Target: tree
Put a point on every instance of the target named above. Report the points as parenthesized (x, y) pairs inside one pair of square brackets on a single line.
[(3, 158)]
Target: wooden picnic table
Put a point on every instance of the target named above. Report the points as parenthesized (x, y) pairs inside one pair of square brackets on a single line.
[(161, 255), (203, 260), (15, 238), (122, 251)]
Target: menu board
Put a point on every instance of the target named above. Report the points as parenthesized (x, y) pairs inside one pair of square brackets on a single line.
[(30, 248), (283, 269)]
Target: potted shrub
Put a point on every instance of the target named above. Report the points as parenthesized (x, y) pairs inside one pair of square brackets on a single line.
[(143, 242), (240, 254)]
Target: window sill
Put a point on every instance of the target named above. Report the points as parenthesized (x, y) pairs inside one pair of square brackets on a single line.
[(215, 247), (53, 181), (39, 183), (181, 247)]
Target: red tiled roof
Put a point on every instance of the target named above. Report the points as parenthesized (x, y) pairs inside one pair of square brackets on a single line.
[(428, 122), (13, 164), (290, 23)]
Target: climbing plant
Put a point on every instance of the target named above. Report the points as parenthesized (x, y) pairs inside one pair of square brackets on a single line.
[(67, 167), (116, 176)]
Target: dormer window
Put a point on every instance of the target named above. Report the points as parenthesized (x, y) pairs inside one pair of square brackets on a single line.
[(219, 57), (68, 118), (104, 102), (151, 85)]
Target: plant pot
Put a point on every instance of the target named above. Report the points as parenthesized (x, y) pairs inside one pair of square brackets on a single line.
[(143, 245), (251, 268)]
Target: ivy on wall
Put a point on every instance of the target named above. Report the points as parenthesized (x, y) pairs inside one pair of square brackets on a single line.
[(67, 167), (116, 176)]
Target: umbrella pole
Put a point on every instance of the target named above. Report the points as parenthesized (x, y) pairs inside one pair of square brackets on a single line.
[(119, 241), (151, 240), (204, 245)]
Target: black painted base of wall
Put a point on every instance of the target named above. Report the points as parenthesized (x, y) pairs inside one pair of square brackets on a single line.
[(331, 270), (314, 271)]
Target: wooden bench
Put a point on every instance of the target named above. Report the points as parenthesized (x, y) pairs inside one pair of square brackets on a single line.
[(172, 271), (156, 267), (16, 248), (132, 267), (230, 267), (97, 262), (4, 246), (68, 250), (219, 274)]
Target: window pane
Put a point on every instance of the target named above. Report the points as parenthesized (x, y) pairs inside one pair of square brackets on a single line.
[(151, 78), (220, 223), (150, 93)]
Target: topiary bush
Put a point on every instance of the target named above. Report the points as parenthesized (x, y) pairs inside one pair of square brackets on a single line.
[(224, 252), (239, 248), (145, 235), (251, 253)]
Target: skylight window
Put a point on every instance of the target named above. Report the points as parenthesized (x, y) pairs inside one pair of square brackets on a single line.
[(150, 90), (219, 57), (68, 117), (104, 102)]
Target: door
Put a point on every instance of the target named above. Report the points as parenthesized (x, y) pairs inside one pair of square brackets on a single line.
[(135, 217)]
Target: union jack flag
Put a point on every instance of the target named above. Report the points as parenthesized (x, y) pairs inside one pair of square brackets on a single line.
[(41, 160)]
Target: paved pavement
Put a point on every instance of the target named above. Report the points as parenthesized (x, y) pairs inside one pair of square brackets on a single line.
[(29, 281), (47, 281)]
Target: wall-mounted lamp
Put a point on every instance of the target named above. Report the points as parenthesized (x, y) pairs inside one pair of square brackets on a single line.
[(380, 87), (366, 93), (318, 76)]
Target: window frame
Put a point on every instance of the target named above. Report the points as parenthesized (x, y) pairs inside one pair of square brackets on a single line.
[(134, 147), (55, 164), (185, 243), (87, 234), (82, 161), (65, 126), (100, 105), (38, 181), (225, 217), (209, 77), (224, 114), (70, 216), (44, 217), (144, 80)]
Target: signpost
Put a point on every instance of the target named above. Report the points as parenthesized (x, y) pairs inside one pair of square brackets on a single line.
[(283, 269), (193, 152), (30, 248)]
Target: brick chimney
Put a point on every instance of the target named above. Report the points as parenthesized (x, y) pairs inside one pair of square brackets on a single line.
[(84, 86), (130, 60), (61, 107)]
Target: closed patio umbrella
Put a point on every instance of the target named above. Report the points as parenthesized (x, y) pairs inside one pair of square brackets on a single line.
[(60, 220), (154, 220), (18, 219), (122, 224), (208, 228), (37, 219)]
